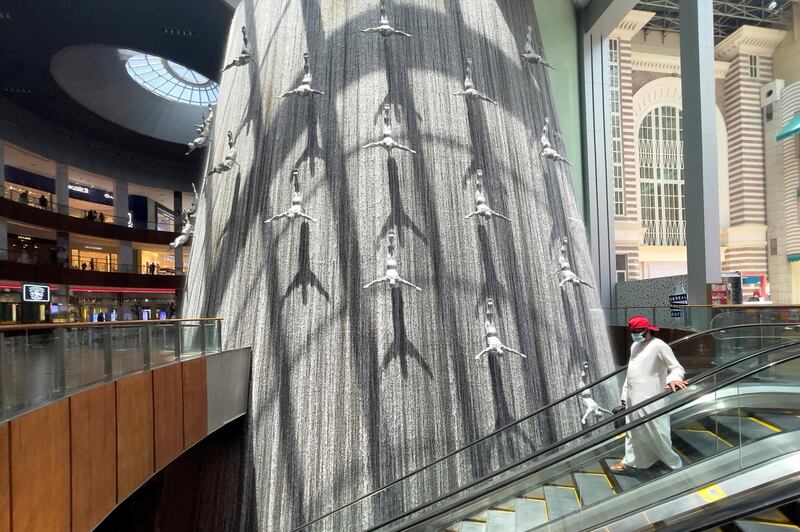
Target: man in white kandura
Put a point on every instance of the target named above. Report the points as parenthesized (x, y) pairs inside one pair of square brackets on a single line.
[(652, 369)]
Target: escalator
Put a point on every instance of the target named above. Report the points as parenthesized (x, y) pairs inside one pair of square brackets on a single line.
[(736, 437), (780, 518), (702, 435)]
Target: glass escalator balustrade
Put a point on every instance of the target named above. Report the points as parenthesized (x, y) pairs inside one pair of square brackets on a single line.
[(518, 440), (747, 421)]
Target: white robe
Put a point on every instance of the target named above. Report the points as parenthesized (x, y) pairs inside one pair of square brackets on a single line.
[(651, 367)]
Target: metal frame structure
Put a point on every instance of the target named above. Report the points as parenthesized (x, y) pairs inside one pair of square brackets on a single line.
[(729, 15)]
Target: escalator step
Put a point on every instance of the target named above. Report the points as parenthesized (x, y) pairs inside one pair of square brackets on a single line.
[(786, 422), (471, 526), (764, 526), (750, 429), (501, 521), (698, 444), (560, 501), (531, 513), (593, 487), (626, 480)]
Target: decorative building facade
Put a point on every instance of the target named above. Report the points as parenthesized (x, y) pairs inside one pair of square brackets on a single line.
[(647, 150)]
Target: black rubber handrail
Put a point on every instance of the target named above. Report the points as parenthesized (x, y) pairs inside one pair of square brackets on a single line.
[(574, 394), (587, 445)]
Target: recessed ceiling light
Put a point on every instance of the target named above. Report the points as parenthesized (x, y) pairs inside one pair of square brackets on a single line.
[(772, 5)]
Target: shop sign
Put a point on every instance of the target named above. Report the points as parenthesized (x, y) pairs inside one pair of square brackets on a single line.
[(676, 304), (36, 293)]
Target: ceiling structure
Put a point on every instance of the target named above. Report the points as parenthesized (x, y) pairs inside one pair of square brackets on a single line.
[(191, 33), (729, 15)]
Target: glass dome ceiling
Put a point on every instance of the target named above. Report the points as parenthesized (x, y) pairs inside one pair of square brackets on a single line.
[(169, 79)]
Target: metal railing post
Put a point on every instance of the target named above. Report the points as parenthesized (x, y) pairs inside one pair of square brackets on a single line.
[(108, 366), (59, 369), (148, 342), (202, 328), (2, 373), (178, 340)]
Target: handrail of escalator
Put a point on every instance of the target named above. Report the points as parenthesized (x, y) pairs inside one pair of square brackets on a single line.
[(616, 432), (538, 411)]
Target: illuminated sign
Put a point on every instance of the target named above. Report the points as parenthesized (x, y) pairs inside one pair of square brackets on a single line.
[(36, 293), (78, 188)]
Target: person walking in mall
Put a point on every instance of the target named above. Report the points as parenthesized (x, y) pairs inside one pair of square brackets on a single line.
[(652, 368), (42, 202)]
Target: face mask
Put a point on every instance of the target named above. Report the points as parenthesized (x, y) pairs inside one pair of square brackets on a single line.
[(638, 337)]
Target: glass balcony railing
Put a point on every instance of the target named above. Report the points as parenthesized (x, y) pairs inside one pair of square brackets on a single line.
[(704, 317), (51, 258), (46, 201), (43, 363)]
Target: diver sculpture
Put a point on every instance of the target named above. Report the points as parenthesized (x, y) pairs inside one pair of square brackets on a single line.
[(186, 232), (304, 89), (591, 408), (529, 53), (470, 92), (229, 161), (387, 142), (481, 206), (547, 150), (565, 269), (384, 28), (203, 130), (493, 343), (296, 210), (392, 277), (244, 57)]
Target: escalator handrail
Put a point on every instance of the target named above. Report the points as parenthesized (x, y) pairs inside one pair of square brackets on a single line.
[(536, 412), (616, 432)]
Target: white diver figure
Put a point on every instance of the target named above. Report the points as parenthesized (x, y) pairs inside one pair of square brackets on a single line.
[(229, 161), (202, 137), (565, 269), (387, 142), (304, 89), (384, 28), (186, 232), (530, 55), (244, 56), (481, 206), (296, 210), (591, 408), (493, 343), (192, 210), (392, 277), (470, 92), (547, 151)]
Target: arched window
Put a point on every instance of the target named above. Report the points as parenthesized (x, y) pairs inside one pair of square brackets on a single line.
[(661, 177)]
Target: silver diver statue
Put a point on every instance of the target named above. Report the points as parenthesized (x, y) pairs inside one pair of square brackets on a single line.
[(203, 132), (530, 55), (244, 57), (481, 205), (493, 343), (547, 149), (296, 210), (304, 89), (470, 92), (591, 408), (392, 277), (384, 28), (565, 269), (387, 142), (229, 161), (187, 228)]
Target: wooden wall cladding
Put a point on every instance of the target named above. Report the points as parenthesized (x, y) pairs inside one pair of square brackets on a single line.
[(168, 409), (5, 480), (94, 455), (135, 453), (40, 469), (195, 401)]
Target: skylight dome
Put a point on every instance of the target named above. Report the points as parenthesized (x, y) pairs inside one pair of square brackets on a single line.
[(169, 79)]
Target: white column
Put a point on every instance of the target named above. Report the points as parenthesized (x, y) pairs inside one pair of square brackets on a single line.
[(62, 188), (700, 147), (125, 255)]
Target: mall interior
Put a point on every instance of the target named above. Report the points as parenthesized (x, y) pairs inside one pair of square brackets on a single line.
[(450, 265)]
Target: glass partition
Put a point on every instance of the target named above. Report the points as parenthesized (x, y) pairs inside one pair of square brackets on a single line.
[(42, 363)]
